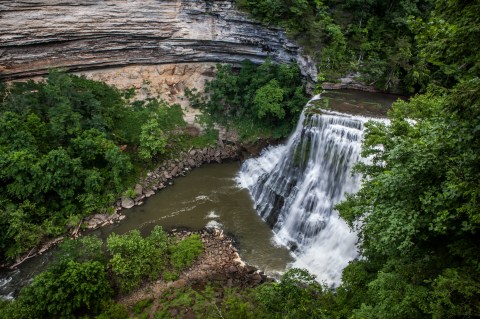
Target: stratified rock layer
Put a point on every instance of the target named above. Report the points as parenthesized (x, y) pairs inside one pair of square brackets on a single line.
[(81, 35)]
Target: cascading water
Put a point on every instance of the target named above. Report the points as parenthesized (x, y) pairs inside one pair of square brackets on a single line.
[(296, 186)]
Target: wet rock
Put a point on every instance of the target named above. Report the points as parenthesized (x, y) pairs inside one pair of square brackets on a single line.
[(173, 312), (149, 193), (139, 198), (127, 202), (138, 189), (100, 217), (250, 269), (174, 171), (257, 277), (189, 315)]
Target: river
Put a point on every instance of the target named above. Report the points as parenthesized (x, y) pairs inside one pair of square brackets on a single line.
[(211, 195), (208, 195)]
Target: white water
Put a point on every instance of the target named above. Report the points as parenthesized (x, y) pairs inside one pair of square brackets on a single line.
[(296, 186)]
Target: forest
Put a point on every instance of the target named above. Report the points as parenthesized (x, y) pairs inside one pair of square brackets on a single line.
[(417, 213), (69, 147)]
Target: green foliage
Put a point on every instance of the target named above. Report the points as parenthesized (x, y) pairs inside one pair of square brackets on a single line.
[(83, 249), (81, 280), (16, 310), (258, 101), (454, 53), (67, 291), (114, 311), (268, 100), (152, 139), (141, 306), (184, 253), (182, 302), (57, 158), (418, 209), (350, 36), (295, 296), (135, 259), (69, 147)]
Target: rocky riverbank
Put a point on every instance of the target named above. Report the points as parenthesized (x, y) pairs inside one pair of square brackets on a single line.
[(147, 186), (162, 177), (219, 264)]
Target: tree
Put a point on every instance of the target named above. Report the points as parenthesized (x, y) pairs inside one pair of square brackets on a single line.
[(68, 290), (263, 100), (152, 139), (135, 258), (268, 100), (417, 207), (449, 40)]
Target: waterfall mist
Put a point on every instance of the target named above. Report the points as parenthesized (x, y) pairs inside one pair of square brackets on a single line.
[(296, 186)]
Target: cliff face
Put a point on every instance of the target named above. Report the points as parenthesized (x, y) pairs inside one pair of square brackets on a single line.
[(83, 35)]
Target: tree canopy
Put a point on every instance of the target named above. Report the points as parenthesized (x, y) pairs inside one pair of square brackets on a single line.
[(263, 100), (68, 148)]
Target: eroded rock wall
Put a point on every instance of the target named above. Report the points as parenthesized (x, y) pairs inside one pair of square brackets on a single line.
[(83, 35)]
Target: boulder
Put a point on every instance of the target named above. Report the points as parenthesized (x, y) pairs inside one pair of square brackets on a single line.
[(138, 189), (174, 171), (127, 202), (149, 193)]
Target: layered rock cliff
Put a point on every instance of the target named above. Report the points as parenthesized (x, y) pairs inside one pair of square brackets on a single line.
[(82, 35)]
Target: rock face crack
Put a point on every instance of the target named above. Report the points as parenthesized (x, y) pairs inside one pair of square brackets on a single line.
[(90, 34)]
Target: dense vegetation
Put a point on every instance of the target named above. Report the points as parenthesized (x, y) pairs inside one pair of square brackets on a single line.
[(258, 101), (373, 37), (68, 148), (417, 213), (83, 278)]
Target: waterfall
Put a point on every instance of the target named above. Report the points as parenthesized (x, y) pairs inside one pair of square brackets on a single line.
[(296, 186)]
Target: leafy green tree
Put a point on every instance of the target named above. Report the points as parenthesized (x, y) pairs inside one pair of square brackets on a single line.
[(449, 40), (135, 258), (263, 100), (83, 249), (295, 296), (68, 291), (268, 100), (417, 207), (152, 139), (68, 146), (183, 254)]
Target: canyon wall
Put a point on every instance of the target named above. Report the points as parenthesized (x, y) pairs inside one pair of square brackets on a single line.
[(85, 35)]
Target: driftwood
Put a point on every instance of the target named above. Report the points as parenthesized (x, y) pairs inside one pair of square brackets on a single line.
[(33, 252), (24, 258), (74, 233)]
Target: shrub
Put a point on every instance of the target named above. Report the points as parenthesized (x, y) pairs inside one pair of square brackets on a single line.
[(68, 290), (135, 258), (185, 252)]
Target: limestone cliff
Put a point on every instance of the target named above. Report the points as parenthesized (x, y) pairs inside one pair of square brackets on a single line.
[(83, 35)]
